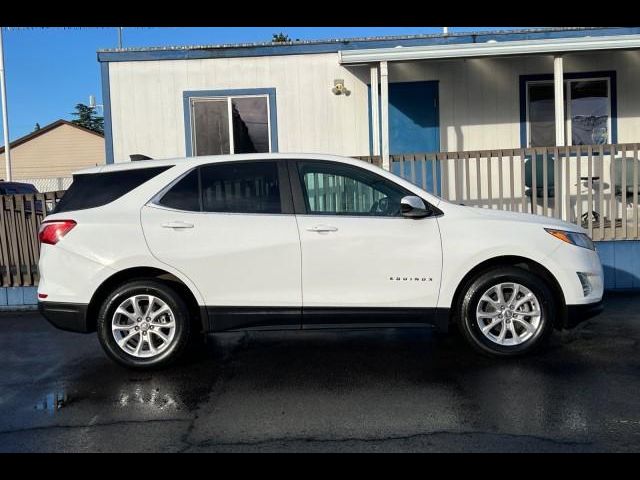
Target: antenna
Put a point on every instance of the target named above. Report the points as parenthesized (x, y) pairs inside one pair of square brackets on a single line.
[(92, 102)]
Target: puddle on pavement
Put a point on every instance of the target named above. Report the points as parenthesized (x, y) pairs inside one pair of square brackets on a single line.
[(53, 402), (147, 396)]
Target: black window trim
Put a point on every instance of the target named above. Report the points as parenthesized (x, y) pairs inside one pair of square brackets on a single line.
[(286, 201), (300, 205)]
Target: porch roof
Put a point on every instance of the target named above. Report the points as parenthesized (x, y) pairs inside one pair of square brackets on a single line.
[(490, 48)]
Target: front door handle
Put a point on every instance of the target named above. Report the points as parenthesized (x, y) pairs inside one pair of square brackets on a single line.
[(177, 224), (322, 228)]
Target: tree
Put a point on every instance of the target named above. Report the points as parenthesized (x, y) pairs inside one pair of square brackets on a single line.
[(37, 127), (280, 38), (86, 117)]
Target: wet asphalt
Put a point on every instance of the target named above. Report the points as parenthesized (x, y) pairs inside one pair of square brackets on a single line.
[(347, 391)]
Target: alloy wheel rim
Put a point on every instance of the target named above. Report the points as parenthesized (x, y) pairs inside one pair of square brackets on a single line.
[(509, 314), (143, 326)]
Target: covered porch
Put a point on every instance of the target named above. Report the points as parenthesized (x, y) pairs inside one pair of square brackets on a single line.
[(547, 126), (510, 94)]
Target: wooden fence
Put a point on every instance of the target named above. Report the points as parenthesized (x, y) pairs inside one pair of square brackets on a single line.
[(595, 186), (20, 219)]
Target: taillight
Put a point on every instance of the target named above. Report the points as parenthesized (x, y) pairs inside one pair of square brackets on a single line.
[(51, 232)]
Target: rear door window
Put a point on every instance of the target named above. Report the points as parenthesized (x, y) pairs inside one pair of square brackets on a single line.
[(97, 189), (248, 187), (233, 187)]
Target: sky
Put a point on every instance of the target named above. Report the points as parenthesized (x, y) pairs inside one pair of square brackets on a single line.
[(49, 70)]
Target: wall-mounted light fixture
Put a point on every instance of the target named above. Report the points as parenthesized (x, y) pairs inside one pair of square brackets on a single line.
[(339, 88)]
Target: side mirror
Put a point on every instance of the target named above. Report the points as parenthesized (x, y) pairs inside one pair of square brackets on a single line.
[(413, 207)]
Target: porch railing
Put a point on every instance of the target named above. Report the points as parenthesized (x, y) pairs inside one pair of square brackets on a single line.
[(20, 219), (595, 186)]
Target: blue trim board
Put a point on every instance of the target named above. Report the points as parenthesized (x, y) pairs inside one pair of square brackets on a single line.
[(621, 264), (331, 46), (273, 113), (611, 74), (17, 297), (106, 102)]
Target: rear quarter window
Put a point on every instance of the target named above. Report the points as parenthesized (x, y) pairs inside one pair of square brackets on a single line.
[(98, 189)]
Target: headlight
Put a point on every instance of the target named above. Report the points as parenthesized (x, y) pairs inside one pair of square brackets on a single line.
[(574, 238)]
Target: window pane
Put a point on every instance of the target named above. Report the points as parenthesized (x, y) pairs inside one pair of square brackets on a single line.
[(184, 194), (332, 189), (250, 125), (211, 127), (541, 115), (91, 190), (589, 117), (250, 187)]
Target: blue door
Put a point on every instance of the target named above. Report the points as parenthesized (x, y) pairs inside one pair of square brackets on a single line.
[(413, 125)]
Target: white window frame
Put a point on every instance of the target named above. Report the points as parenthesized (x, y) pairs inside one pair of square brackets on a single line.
[(567, 99), (228, 99)]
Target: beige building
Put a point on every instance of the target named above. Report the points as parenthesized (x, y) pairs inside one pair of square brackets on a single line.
[(56, 150)]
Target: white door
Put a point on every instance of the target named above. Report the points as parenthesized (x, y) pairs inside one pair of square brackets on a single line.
[(236, 238), (358, 252)]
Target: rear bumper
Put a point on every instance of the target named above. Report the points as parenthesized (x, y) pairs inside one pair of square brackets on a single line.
[(66, 316), (579, 313)]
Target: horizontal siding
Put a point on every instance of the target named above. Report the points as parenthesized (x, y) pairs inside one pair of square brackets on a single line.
[(56, 153), (147, 104), (479, 99)]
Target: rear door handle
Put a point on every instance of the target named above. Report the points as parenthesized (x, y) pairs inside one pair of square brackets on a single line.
[(177, 224), (323, 228)]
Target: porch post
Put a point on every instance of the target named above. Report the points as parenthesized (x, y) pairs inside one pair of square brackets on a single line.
[(558, 87), (384, 114), (375, 117)]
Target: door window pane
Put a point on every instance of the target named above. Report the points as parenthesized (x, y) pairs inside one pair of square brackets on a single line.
[(247, 187), (211, 127), (542, 129), (332, 189), (184, 194), (250, 125), (589, 112)]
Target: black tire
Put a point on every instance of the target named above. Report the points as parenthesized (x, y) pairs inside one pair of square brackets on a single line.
[(468, 323), (183, 330)]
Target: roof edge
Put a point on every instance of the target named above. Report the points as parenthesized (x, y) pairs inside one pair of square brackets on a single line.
[(334, 45), (47, 128)]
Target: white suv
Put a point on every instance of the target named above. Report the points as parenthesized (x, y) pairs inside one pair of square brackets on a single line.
[(152, 254)]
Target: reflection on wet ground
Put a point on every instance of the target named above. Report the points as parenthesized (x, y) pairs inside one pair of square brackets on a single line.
[(52, 402), (376, 390)]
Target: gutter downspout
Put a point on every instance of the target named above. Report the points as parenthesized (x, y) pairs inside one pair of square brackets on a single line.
[(384, 114)]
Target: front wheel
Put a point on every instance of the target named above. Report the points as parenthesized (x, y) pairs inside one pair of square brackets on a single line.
[(144, 324), (507, 311)]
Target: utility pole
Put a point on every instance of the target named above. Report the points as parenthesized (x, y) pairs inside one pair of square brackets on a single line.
[(119, 37), (5, 116)]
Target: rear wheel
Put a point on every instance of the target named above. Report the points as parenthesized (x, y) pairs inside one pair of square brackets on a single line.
[(507, 311), (144, 324)]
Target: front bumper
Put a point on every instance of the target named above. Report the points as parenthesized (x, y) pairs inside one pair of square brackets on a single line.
[(66, 316), (579, 313)]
